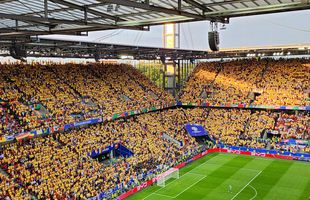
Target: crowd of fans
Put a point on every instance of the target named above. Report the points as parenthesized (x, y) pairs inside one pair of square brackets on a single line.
[(244, 127), (260, 121), (200, 82), (256, 82), (293, 125), (47, 95), (252, 82), (58, 166), (9, 188), (7, 122), (285, 82)]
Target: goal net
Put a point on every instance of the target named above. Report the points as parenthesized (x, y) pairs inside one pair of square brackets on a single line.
[(171, 173)]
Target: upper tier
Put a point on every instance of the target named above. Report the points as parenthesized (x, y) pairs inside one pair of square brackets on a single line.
[(256, 82), (45, 95)]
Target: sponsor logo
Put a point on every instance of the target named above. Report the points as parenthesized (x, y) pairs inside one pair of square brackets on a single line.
[(143, 185), (195, 129), (233, 151), (258, 154), (204, 153)]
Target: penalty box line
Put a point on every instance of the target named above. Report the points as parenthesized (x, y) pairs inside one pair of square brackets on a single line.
[(189, 172), (247, 185), (175, 196), (190, 186)]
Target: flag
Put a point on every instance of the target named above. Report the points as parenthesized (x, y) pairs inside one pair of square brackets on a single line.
[(115, 116), (22, 136), (9, 138)]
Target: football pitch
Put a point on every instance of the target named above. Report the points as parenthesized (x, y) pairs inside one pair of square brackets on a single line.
[(235, 177)]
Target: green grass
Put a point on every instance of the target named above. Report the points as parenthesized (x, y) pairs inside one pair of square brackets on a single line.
[(250, 177)]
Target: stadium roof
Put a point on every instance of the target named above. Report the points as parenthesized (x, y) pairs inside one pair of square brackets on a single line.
[(42, 47), (21, 18)]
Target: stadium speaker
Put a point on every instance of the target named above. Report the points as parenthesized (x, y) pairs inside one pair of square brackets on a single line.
[(18, 52), (214, 40)]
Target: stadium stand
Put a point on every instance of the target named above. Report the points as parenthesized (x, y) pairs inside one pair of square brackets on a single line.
[(257, 82), (59, 165), (293, 125), (285, 82), (200, 82), (8, 124), (46, 95)]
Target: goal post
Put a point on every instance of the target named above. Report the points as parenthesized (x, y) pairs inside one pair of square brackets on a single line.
[(171, 173)]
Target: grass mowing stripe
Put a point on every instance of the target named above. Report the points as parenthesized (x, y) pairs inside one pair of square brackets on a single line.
[(246, 185), (217, 158), (277, 177), (198, 162), (190, 167), (284, 187), (306, 192), (216, 182), (177, 181), (189, 187), (257, 165), (269, 177)]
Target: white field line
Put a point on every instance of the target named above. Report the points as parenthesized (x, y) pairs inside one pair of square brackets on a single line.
[(254, 191), (188, 173), (189, 187), (246, 185), (195, 173), (249, 169), (182, 176), (163, 195)]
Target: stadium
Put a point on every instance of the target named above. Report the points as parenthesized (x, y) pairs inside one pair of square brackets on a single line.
[(154, 99)]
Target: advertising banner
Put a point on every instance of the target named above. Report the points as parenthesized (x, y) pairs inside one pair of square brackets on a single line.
[(196, 130)]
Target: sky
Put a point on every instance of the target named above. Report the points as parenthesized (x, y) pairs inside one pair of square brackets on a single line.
[(262, 30)]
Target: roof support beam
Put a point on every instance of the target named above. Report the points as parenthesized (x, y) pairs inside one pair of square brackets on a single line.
[(85, 15), (16, 24), (53, 21), (179, 4), (45, 9), (145, 6), (23, 33), (228, 2), (198, 5), (260, 10), (95, 12)]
